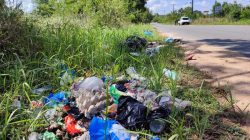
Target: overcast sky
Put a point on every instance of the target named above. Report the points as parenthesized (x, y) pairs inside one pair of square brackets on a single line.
[(166, 6)]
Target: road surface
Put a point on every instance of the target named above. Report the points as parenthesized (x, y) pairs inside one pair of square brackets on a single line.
[(234, 38), (222, 51)]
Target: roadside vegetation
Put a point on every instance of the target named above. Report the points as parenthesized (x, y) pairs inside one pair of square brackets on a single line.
[(230, 14), (33, 46)]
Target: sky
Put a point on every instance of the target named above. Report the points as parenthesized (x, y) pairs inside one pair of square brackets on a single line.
[(27, 5), (156, 6), (166, 6)]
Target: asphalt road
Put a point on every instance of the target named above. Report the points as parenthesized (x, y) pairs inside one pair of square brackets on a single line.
[(234, 38)]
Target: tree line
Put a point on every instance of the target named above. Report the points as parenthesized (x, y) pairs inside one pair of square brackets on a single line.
[(232, 11)]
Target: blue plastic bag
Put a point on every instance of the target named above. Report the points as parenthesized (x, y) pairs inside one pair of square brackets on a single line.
[(148, 33), (169, 40), (97, 130), (53, 100)]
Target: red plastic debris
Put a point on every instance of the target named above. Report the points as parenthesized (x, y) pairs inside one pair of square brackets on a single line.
[(66, 108), (36, 104), (70, 124), (190, 57)]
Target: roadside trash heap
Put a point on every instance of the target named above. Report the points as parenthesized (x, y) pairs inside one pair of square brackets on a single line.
[(106, 108)]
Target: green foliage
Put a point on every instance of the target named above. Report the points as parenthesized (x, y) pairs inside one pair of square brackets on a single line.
[(103, 12), (245, 14), (231, 11), (14, 29), (229, 14)]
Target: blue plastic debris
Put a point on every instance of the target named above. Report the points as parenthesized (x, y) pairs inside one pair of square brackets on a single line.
[(99, 129), (106, 79), (67, 75), (53, 100), (169, 40), (170, 74), (155, 138), (148, 33), (114, 131)]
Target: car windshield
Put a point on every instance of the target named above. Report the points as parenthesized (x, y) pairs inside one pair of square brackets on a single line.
[(185, 18)]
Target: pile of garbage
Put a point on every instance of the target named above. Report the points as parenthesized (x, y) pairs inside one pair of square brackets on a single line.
[(106, 108)]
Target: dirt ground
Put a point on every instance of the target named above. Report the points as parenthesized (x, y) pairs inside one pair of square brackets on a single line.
[(226, 68)]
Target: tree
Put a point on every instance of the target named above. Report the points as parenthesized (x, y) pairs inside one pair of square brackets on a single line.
[(245, 13), (217, 13)]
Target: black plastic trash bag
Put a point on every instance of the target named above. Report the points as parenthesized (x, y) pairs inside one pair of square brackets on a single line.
[(135, 43), (132, 114), (157, 120), (120, 85)]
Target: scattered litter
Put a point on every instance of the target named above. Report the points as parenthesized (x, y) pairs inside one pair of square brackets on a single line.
[(90, 103), (49, 136), (135, 54), (133, 74), (50, 114), (166, 100), (153, 44), (189, 57), (106, 79), (152, 51), (135, 43), (155, 118), (120, 85), (118, 132), (34, 136), (135, 86), (148, 33), (147, 97), (91, 83), (73, 115), (42, 89), (72, 127), (99, 129), (16, 103), (84, 136), (116, 94), (53, 100), (131, 113), (67, 77), (155, 138), (169, 40), (36, 104), (170, 74), (134, 115)]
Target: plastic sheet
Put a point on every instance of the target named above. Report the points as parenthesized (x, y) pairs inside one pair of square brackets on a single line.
[(116, 94), (131, 113), (133, 74), (71, 125), (99, 129), (53, 100), (166, 100), (170, 74), (92, 84), (134, 115), (49, 136), (148, 33), (169, 40), (42, 89), (135, 43), (34, 136)]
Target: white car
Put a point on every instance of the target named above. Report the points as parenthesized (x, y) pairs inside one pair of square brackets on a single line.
[(184, 21)]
